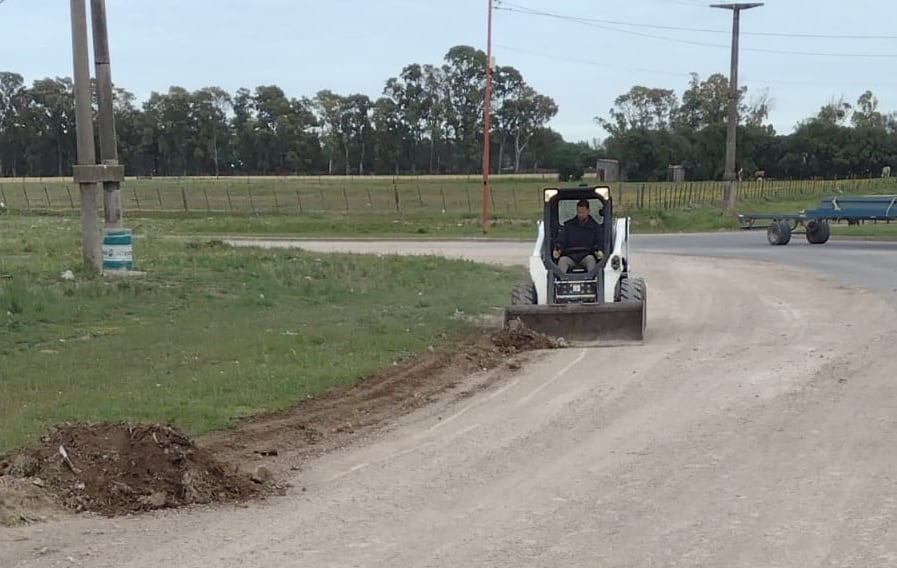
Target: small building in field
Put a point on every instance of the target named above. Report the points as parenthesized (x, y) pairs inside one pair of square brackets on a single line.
[(608, 170), (675, 173)]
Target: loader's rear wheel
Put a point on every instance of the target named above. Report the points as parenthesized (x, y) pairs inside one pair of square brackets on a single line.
[(818, 232), (523, 294)]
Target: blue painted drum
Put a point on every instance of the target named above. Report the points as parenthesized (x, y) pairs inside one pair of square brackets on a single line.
[(117, 249)]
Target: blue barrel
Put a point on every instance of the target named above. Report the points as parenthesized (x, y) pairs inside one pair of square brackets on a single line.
[(117, 249)]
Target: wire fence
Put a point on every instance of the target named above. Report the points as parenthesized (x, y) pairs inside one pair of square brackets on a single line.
[(396, 195)]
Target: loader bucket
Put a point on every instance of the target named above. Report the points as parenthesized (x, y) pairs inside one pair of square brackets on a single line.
[(584, 324)]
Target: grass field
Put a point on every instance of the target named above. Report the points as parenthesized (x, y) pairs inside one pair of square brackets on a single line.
[(210, 333)]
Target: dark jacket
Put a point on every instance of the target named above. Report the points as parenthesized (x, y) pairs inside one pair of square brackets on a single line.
[(573, 234)]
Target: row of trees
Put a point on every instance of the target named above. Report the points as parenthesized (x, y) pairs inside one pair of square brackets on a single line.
[(429, 119), (652, 128)]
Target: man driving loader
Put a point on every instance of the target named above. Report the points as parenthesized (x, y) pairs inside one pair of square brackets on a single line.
[(580, 240)]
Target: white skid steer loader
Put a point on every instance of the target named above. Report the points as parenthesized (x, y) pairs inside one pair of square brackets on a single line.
[(597, 300)]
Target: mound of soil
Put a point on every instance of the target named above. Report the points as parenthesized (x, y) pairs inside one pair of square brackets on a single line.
[(121, 468), (517, 337)]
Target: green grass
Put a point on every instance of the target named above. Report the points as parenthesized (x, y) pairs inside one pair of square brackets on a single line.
[(211, 333)]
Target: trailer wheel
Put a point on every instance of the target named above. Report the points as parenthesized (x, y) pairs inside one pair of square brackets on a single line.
[(523, 294), (778, 233), (818, 232)]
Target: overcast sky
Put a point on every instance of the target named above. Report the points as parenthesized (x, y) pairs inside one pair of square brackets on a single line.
[(355, 45)]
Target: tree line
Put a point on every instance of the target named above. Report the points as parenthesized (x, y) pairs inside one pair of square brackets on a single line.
[(429, 119), (652, 128)]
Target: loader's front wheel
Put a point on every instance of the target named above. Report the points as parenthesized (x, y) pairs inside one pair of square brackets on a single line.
[(523, 294), (635, 290)]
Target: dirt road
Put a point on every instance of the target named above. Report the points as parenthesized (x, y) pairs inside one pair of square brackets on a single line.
[(757, 426)]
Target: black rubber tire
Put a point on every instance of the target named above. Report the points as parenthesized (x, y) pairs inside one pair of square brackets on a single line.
[(818, 232), (633, 290), (523, 294), (778, 233)]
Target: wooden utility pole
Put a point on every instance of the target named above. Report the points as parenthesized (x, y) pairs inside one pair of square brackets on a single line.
[(729, 175), (106, 115), (90, 235), (487, 120)]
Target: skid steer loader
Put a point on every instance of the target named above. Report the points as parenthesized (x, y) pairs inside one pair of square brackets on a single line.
[(603, 305)]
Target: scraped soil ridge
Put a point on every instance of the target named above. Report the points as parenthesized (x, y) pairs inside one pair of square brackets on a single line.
[(121, 468)]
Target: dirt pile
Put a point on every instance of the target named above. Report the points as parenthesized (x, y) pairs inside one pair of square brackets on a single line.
[(120, 468), (516, 337)]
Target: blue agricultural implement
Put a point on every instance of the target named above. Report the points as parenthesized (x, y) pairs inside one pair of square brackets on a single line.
[(815, 222)]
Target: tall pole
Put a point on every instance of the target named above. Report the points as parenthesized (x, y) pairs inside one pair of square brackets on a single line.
[(90, 236), (732, 130), (106, 116), (487, 123)]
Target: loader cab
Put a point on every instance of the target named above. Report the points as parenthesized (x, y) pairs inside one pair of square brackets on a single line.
[(560, 205)]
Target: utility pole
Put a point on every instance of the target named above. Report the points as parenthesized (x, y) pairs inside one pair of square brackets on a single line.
[(487, 123), (90, 236), (729, 175), (106, 116)]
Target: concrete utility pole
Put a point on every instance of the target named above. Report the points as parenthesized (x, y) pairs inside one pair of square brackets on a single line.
[(487, 120), (106, 116), (90, 236), (729, 175)]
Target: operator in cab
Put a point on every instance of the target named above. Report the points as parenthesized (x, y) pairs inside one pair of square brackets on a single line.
[(580, 240)]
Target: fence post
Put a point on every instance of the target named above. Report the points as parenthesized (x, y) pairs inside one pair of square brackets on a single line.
[(395, 189), (208, 205), (276, 204), (71, 200), (299, 200), (47, 194), (133, 189), (184, 197)]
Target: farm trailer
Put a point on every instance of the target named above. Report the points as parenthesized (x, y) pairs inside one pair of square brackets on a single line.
[(815, 222)]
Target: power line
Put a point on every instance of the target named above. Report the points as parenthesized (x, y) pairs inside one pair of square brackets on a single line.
[(523, 9), (596, 23), (607, 65)]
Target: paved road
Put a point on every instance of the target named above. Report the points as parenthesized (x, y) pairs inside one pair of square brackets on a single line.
[(757, 426), (871, 264)]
